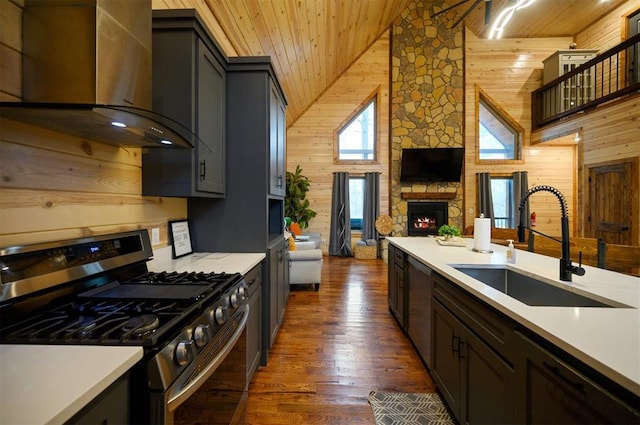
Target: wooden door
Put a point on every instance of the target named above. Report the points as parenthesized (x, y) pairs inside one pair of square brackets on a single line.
[(611, 215)]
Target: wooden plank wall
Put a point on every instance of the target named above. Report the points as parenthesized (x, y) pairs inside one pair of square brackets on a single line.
[(55, 186), (608, 133), (608, 31), (310, 140), (508, 71)]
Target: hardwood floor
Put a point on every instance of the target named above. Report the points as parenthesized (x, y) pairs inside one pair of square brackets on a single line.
[(333, 348)]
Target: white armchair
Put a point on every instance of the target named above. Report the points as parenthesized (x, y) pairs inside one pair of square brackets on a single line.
[(305, 264)]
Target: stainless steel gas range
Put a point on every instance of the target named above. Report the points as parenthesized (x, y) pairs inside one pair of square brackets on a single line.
[(98, 291)]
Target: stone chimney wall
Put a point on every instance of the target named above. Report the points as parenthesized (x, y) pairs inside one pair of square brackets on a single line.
[(427, 100)]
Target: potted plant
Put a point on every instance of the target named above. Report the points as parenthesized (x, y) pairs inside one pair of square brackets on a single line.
[(447, 231), (296, 206)]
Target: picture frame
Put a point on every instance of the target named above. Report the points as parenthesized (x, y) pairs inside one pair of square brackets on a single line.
[(180, 238)]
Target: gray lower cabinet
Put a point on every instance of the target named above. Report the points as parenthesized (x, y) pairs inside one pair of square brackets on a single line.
[(189, 86), (396, 290), (254, 322), (419, 284), (109, 407), (554, 391), (278, 291), (475, 382)]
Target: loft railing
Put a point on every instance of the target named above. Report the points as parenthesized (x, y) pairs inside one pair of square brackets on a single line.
[(608, 76)]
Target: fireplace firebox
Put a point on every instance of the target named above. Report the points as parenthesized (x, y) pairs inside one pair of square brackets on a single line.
[(424, 218)]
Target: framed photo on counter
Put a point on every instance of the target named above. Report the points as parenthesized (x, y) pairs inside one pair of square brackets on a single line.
[(180, 238)]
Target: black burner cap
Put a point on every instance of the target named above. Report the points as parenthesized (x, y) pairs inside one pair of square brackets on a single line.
[(141, 324)]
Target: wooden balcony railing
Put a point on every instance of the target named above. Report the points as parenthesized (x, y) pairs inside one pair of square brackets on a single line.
[(608, 76)]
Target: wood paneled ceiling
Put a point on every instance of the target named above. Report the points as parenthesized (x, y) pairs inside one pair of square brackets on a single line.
[(312, 42)]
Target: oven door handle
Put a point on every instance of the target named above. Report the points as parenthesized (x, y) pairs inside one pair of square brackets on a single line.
[(176, 400)]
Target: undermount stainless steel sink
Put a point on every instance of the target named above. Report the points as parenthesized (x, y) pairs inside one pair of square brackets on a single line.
[(530, 290)]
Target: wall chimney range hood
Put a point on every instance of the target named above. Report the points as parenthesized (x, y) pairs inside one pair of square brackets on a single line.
[(87, 72), (111, 124)]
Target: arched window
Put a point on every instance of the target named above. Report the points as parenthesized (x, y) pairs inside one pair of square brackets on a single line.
[(356, 139), (499, 138)]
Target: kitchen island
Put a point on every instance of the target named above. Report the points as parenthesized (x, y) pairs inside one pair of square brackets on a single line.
[(598, 341)]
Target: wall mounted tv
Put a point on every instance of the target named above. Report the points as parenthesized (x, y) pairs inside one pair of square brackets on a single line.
[(430, 165)]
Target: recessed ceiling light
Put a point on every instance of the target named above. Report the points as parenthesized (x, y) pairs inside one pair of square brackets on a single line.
[(118, 124), (166, 142)]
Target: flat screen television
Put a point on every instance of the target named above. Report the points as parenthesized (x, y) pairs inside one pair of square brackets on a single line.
[(430, 165)]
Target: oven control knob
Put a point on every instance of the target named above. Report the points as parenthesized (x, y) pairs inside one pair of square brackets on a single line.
[(183, 352), (242, 293), (221, 315), (234, 300), (202, 335)]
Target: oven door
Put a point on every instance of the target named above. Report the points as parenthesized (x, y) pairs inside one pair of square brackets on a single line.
[(217, 394)]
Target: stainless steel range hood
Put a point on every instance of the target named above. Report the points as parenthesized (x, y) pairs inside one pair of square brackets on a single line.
[(87, 72)]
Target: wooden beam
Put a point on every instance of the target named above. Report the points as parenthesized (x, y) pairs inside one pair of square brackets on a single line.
[(428, 195)]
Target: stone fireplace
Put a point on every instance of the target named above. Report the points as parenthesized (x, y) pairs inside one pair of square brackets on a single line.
[(424, 218), (426, 108)]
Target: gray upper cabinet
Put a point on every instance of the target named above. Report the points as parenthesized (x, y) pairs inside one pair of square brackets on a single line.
[(189, 86)]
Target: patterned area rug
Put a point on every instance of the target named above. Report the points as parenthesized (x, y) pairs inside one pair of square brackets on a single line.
[(408, 409)]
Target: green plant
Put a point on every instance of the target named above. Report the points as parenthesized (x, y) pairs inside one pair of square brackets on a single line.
[(296, 206), (448, 231)]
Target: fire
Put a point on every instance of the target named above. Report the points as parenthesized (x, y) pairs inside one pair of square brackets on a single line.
[(424, 223)]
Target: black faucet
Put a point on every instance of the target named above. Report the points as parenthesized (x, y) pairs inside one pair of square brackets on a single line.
[(566, 268)]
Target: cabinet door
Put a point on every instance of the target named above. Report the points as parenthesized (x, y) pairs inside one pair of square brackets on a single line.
[(109, 407), (475, 382), (283, 282), (254, 322), (391, 278), (446, 368), (398, 306), (273, 260), (488, 383), (210, 167), (555, 392), (277, 129)]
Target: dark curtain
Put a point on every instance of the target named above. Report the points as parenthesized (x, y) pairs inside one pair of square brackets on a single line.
[(520, 187), (371, 208), (485, 200), (340, 232)]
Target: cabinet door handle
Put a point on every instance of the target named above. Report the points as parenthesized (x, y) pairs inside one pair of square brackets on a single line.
[(203, 169), (455, 345), (578, 386)]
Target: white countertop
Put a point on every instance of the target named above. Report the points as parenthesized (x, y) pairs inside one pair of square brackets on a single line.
[(204, 261), (46, 384), (607, 339)]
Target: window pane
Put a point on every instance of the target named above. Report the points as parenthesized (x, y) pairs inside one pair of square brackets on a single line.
[(356, 201), (356, 141), (497, 138), (502, 194)]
